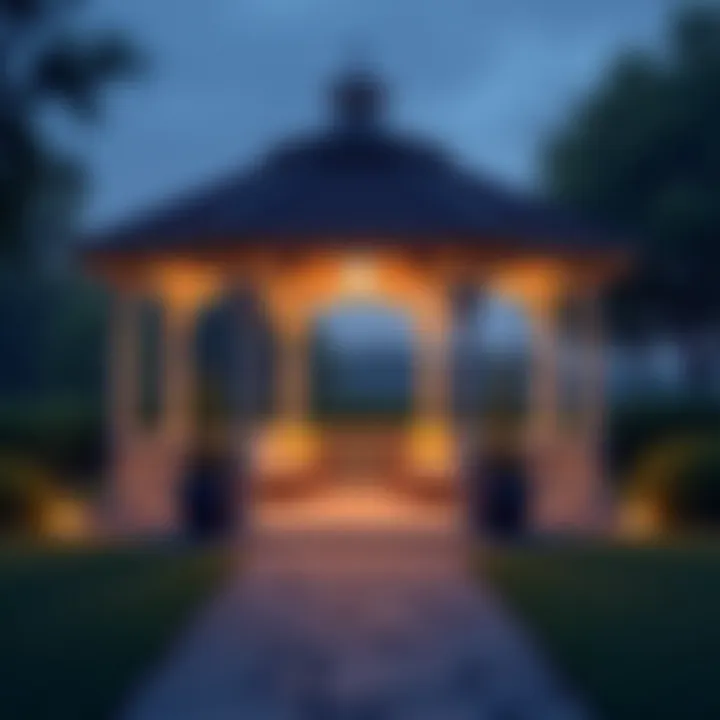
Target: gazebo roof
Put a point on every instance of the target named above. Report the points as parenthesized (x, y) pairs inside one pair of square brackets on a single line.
[(354, 182)]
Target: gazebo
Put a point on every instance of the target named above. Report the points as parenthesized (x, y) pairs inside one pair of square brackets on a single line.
[(356, 210)]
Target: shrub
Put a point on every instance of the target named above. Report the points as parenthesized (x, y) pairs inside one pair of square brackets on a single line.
[(698, 501), (680, 480), (67, 437), (634, 428), (25, 492)]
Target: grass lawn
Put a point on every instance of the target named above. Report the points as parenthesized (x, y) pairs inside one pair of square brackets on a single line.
[(78, 627), (635, 629)]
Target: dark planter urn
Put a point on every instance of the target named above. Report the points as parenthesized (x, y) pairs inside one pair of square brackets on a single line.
[(212, 498)]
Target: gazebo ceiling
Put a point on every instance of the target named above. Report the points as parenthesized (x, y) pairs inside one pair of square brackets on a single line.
[(354, 182)]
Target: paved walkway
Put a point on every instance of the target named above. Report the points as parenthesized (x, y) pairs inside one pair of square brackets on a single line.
[(366, 627)]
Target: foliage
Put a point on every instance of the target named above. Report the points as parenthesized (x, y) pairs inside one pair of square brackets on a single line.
[(697, 500), (66, 437), (52, 371), (52, 332), (47, 61), (25, 491), (634, 428), (681, 481), (643, 151)]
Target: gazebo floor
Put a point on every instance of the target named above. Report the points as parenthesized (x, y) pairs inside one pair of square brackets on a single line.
[(355, 507)]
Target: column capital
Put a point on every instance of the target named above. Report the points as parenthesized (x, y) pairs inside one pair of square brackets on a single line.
[(538, 287), (185, 288), (289, 312)]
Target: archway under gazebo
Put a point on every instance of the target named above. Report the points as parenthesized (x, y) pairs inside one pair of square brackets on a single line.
[(352, 214)]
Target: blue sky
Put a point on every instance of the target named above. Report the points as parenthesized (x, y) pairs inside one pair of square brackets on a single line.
[(488, 78), (499, 324)]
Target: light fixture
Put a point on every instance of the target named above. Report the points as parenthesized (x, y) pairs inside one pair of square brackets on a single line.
[(359, 275)]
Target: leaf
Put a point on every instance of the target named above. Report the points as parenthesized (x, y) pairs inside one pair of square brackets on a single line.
[(642, 150), (20, 168), (23, 10), (113, 57), (31, 11), (76, 71)]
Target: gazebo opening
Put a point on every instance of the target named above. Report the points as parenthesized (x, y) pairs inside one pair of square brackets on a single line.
[(362, 364)]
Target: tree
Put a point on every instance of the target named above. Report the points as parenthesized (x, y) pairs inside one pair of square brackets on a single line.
[(45, 61), (643, 150), (51, 324)]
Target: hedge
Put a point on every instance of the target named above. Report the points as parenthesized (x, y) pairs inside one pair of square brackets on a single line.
[(680, 481), (66, 437), (25, 491), (635, 427)]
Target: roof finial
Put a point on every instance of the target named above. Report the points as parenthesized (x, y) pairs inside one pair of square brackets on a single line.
[(358, 95), (358, 57)]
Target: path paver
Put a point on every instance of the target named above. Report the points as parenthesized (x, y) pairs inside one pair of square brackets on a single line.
[(361, 627)]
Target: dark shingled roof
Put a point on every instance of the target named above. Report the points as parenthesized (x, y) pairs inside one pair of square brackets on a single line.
[(355, 181)]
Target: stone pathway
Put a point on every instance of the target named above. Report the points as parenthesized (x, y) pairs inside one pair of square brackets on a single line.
[(366, 627)]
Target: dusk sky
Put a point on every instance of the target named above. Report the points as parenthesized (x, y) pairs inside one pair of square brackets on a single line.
[(487, 78)]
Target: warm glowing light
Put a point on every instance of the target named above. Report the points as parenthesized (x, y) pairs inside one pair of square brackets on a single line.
[(186, 286), (359, 276), (431, 448), (641, 518), (66, 519), (285, 448), (529, 282)]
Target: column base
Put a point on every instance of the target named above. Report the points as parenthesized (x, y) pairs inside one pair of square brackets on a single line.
[(568, 491), (145, 485)]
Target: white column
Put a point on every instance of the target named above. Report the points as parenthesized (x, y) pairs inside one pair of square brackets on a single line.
[(245, 378), (124, 375), (245, 372), (595, 493), (547, 482), (292, 368), (287, 447), (178, 396), (432, 367), (432, 452), (595, 363), (544, 368), (244, 407), (148, 462), (171, 447)]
